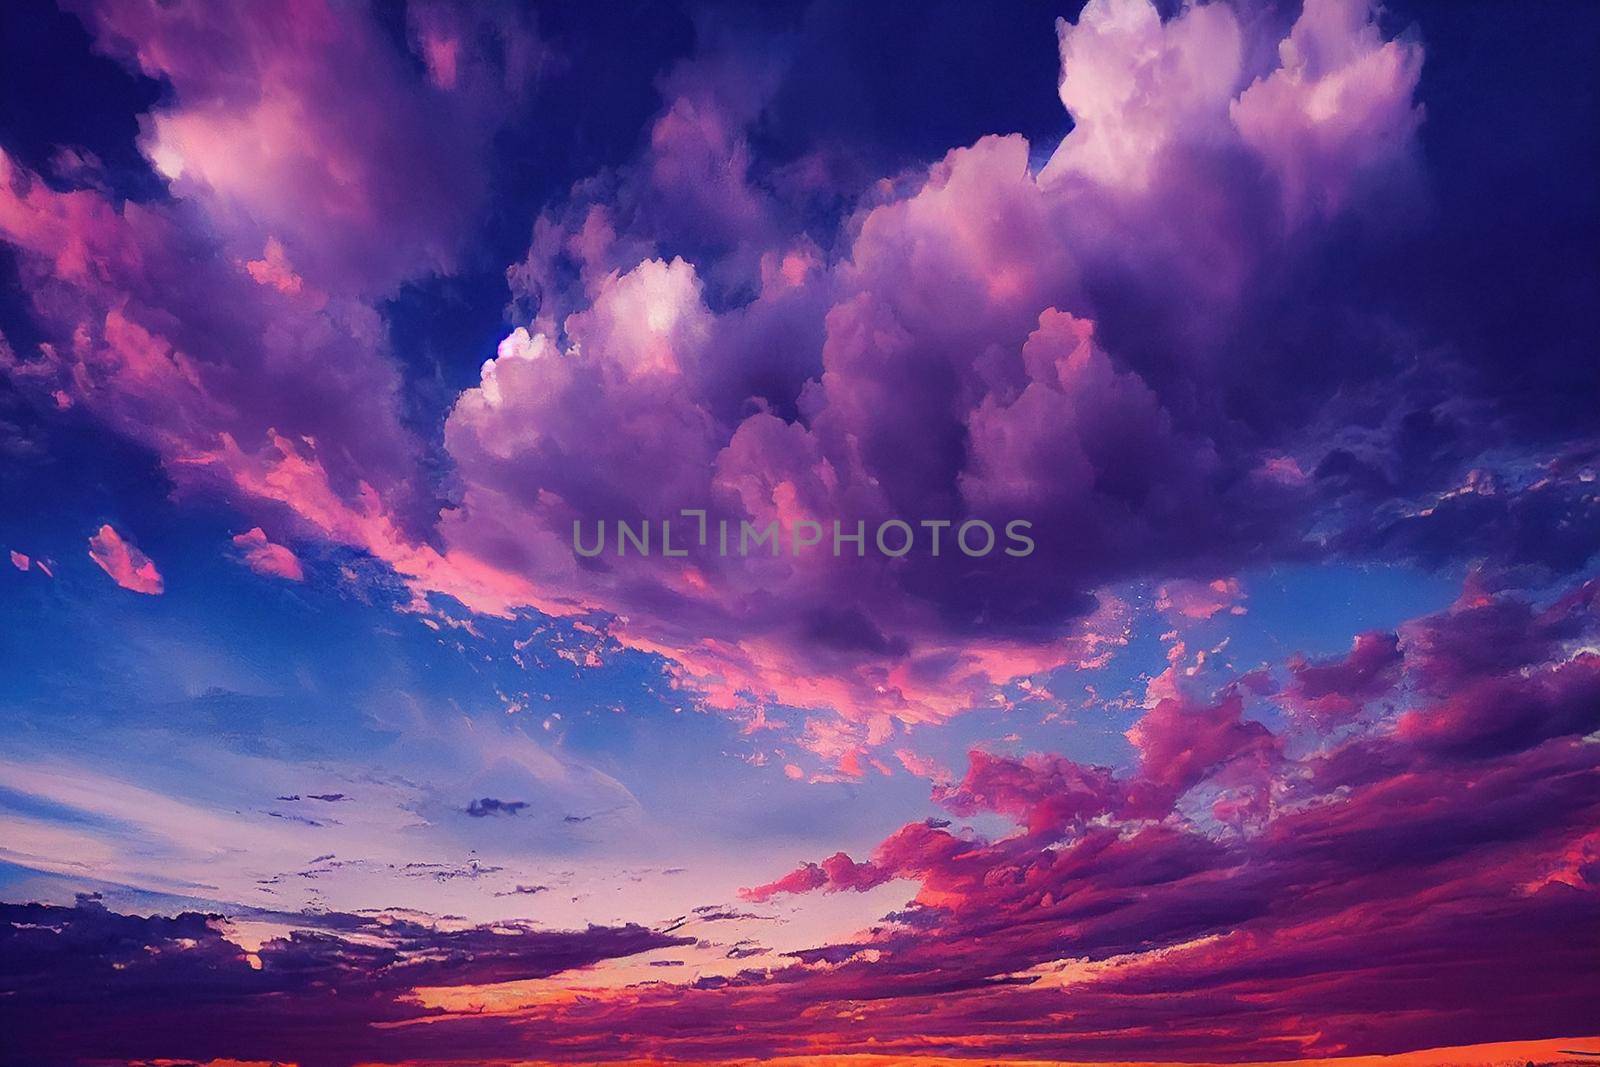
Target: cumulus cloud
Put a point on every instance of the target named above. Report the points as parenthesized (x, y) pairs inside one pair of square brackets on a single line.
[(127, 566), (1338, 111), (1046, 793), (960, 375), (1135, 85)]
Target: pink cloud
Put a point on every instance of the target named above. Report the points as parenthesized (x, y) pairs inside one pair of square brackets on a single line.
[(924, 766), (362, 194), (127, 566), (265, 557), (156, 362), (19, 561), (1189, 599), (1046, 794), (273, 269), (1504, 715), (311, 171), (1137, 84), (1330, 692), (1134, 920), (1338, 111)]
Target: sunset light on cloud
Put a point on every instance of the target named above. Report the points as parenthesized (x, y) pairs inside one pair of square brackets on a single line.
[(815, 533)]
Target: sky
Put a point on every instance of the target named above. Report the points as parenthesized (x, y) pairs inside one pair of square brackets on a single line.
[(325, 325)]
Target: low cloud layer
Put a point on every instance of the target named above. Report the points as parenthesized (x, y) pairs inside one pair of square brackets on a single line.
[(322, 984)]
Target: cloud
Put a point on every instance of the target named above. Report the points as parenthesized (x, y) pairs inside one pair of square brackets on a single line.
[(1136, 85), (1172, 348), (335, 975), (525, 890), (1521, 524), (1502, 716), (310, 168), (923, 766), (1045, 793), (265, 557), (127, 566), (1194, 600), (974, 343), (973, 362), (1338, 111), (957, 371), (1223, 892), (309, 134), (1330, 692), (486, 806), (225, 400)]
